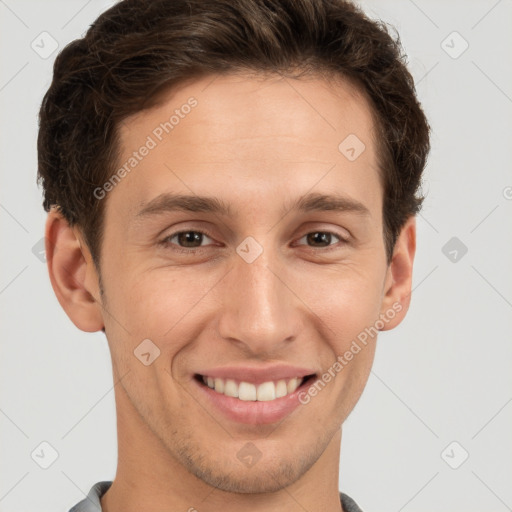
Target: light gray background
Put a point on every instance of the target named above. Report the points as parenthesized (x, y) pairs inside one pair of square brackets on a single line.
[(444, 375)]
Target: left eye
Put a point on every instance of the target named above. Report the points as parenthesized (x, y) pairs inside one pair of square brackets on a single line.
[(192, 239), (323, 237)]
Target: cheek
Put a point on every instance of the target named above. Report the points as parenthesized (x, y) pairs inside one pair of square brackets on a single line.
[(145, 331), (166, 306), (346, 301), (148, 301), (164, 301)]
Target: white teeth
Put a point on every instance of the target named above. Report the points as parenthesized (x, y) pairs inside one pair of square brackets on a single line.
[(281, 389), (219, 385), (266, 392), (293, 384), (246, 391), (231, 388)]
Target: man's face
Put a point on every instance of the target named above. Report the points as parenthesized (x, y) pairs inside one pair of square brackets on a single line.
[(265, 287)]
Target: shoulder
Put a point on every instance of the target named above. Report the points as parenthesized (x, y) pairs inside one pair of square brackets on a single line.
[(348, 504), (92, 503)]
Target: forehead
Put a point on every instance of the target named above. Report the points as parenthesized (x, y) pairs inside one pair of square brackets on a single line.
[(232, 134), (241, 105)]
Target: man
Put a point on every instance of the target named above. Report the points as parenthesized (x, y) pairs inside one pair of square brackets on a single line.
[(232, 190)]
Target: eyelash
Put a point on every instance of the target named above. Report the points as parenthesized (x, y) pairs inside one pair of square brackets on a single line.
[(166, 241)]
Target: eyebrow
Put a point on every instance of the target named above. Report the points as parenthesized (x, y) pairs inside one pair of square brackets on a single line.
[(327, 202), (170, 202)]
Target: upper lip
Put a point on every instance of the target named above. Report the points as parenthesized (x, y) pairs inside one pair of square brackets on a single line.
[(257, 374)]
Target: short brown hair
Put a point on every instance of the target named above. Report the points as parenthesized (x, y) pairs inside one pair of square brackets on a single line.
[(139, 48)]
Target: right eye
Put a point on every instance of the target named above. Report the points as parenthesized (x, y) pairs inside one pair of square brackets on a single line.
[(185, 237)]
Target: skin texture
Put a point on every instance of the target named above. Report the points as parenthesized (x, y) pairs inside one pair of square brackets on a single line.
[(257, 143)]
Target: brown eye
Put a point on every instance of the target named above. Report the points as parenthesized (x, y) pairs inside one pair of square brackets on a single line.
[(186, 239), (320, 239)]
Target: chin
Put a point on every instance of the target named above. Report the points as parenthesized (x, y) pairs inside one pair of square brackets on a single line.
[(253, 480), (274, 471)]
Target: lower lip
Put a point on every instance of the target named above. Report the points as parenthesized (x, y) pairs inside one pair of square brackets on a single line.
[(254, 412)]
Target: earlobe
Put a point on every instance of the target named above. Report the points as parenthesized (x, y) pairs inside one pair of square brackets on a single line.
[(398, 285), (69, 271)]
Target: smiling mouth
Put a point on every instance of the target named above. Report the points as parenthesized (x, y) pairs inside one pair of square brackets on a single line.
[(246, 391)]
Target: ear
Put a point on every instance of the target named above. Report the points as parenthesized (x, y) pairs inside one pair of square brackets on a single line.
[(398, 283), (72, 273)]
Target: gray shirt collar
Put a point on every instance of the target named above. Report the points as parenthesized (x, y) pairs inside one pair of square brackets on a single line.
[(92, 502)]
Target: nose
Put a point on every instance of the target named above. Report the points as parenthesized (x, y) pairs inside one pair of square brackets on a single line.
[(260, 309)]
